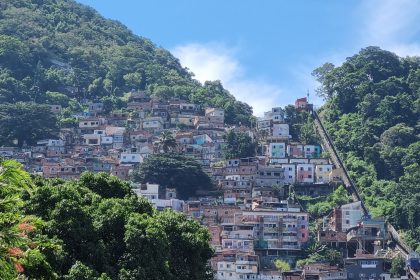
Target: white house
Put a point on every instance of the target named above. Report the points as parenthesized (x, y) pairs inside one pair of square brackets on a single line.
[(289, 173), (149, 191), (92, 139), (131, 158), (281, 130), (351, 214)]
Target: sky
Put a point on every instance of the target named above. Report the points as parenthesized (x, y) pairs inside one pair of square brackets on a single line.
[(264, 51)]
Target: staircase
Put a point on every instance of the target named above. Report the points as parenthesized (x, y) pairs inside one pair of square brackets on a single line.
[(328, 146)]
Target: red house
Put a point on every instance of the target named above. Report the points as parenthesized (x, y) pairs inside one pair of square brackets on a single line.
[(301, 103)]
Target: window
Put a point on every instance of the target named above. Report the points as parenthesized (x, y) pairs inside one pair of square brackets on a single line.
[(347, 222), (320, 169)]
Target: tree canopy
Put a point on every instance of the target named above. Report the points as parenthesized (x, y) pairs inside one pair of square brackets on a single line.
[(55, 48), (25, 123), (239, 145), (372, 113), (171, 170), (93, 228)]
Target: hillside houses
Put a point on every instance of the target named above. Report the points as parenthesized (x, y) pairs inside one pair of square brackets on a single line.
[(250, 213)]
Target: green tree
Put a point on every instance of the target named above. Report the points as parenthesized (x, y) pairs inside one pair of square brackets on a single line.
[(282, 265), (167, 143), (25, 123), (239, 145), (174, 171), (398, 267), (371, 113)]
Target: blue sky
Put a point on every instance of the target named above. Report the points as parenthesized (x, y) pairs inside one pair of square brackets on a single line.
[(264, 51)]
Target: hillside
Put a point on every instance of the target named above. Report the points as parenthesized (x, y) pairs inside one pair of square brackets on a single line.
[(60, 52), (372, 112)]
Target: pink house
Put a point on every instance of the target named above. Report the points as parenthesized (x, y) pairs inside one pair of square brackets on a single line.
[(295, 150), (305, 173)]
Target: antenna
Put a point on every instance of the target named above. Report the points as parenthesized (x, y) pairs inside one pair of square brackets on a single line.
[(307, 94)]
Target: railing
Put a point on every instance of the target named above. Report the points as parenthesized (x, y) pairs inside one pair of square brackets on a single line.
[(350, 184), (335, 157), (396, 237)]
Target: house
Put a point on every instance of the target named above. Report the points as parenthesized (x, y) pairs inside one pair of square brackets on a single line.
[(323, 172), (186, 120), (118, 118), (264, 124), (276, 114), (236, 265), (188, 108), (95, 107), (203, 122), (301, 103), (347, 216), (92, 139), (282, 228), (139, 101), (312, 151), (333, 239), (289, 173), (184, 138), (90, 122), (117, 134), (107, 140), (149, 191), (277, 150), (365, 267), (280, 130), (202, 139), (8, 152), (323, 271), (215, 115), (268, 176), (305, 173), (295, 150), (132, 158), (153, 124), (121, 171)]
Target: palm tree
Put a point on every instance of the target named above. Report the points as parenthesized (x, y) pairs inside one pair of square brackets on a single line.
[(167, 142)]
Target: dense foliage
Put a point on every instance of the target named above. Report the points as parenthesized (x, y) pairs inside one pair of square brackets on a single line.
[(93, 228), (372, 112), (301, 125), (171, 170), (238, 145), (22, 123), (61, 52)]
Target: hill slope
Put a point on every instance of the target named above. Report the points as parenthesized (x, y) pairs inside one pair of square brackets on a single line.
[(373, 114), (61, 46)]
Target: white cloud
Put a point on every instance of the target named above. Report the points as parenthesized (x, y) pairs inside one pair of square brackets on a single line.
[(392, 25), (218, 62)]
